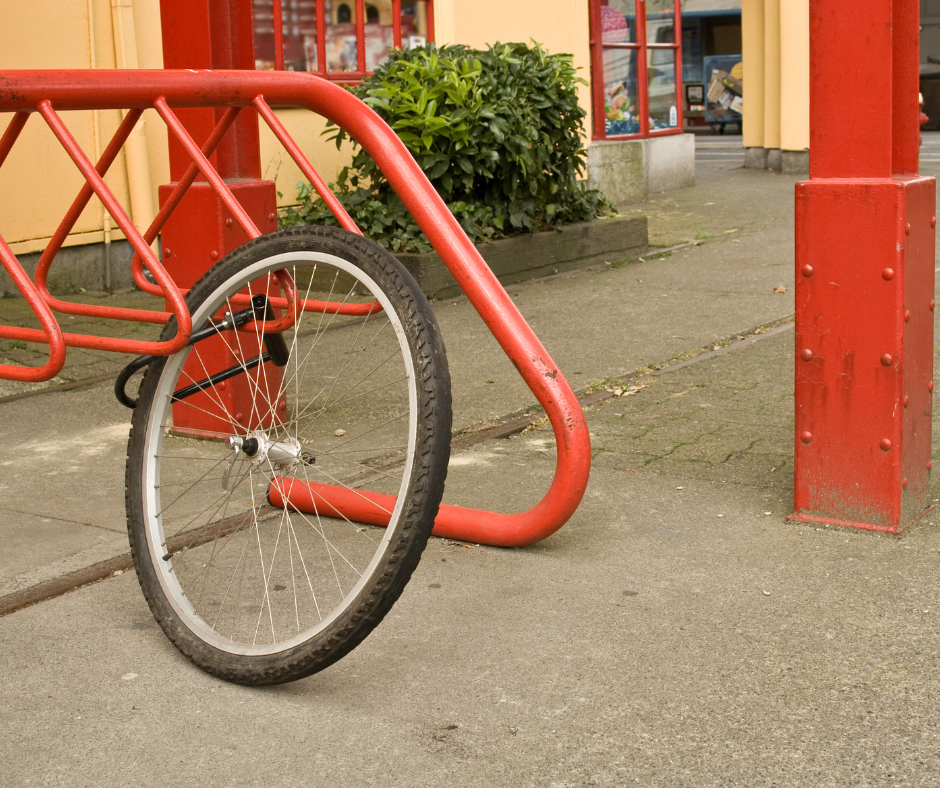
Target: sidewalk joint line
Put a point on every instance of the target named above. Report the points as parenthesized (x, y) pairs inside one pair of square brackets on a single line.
[(43, 592)]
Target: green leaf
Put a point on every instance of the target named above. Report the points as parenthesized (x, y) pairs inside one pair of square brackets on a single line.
[(498, 132)]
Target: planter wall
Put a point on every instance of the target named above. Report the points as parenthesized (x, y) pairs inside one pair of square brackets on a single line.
[(533, 255), (628, 171), (515, 259)]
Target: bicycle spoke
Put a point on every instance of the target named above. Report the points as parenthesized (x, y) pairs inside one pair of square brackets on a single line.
[(250, 580)]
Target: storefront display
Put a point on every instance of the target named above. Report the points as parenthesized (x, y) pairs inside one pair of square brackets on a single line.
[(635, 65), (724, 77), (290, 40)]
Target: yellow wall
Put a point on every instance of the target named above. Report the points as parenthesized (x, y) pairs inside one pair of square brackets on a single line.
[(771, 73), (752, 58), (305, 128), (150, 55), (38, 182), (794, 74), (776, 74), (558, 25)]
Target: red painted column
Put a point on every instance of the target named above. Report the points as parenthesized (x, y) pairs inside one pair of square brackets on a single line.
[(864, 274), (213, 34)]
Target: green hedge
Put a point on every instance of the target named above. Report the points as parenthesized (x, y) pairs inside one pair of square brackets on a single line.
[(497, 132)]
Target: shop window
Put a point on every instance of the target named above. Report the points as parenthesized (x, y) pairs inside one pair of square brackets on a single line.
[(342, 41), (636, 67)]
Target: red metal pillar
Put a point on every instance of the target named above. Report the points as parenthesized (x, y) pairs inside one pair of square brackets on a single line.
[(213, 34), (864, 274)]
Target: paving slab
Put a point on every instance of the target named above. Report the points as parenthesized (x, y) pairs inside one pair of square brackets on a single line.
[(672, 634)]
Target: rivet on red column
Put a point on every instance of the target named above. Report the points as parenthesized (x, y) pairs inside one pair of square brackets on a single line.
[(885, 444), (214, 254), (807, 270), (887, 274), (272, 217), (904, 483), (806, 437), (932, 304), (907, 315), (929, 464), (228, 222), (886, 360), (807, 354), (907, 400), (907, 229), (167, 252), (933, 221), (930, 386)]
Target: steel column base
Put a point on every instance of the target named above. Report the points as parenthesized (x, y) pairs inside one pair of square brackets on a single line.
[(196, 236), (864, 351), (805, 518)]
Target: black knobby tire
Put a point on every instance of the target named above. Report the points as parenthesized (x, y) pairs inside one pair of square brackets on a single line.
[(261, 595)]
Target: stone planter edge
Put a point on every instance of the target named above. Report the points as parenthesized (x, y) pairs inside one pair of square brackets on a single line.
[(534, 255)]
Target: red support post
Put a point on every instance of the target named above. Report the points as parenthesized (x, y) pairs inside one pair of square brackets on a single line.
[(214, 34), (864, 275)]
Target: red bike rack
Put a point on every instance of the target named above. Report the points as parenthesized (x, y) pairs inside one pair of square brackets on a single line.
[(49, 92)]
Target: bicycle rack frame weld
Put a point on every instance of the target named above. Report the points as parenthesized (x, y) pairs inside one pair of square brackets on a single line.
[(47, 93)]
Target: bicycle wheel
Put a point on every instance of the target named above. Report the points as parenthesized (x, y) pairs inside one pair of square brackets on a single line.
[(354, 395)]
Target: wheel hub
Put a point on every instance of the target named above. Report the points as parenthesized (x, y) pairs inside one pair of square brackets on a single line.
[(259, 449)]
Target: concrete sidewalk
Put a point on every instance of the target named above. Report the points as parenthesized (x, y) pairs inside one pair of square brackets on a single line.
[(677, 632)]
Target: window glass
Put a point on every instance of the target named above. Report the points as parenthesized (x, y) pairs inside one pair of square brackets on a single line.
[(620, 92), (380, 32), (298, 30), (262, 12), (692, 51), (414, 23), (661, 65), (618, 22), (342, 52), (660, 21), (300, 34)]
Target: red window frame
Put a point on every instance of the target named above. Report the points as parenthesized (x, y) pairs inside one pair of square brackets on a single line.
[(642, 48), (360, 72)]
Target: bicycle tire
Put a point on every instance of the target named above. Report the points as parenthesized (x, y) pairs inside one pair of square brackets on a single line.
[(184, 543)]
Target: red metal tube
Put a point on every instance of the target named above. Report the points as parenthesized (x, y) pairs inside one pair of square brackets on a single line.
[(224, 124), (335, 206), (329, 307), (278, 35), (51, 332), (11, 134), (361, 35), (173, 295), (206, 168), (24, 91), (65, 227), (321, 38), (396, 24)]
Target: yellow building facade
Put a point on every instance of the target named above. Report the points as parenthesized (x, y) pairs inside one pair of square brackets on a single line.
[(38, 181), (775, 41)]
